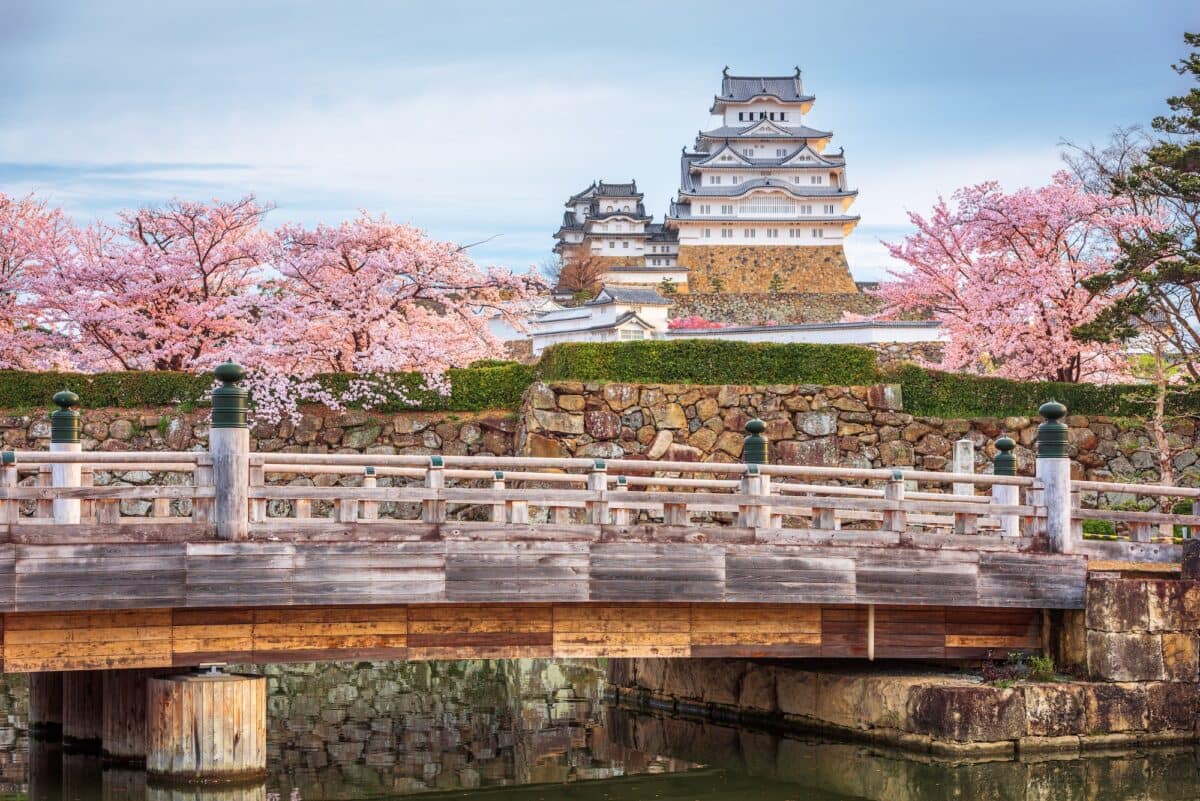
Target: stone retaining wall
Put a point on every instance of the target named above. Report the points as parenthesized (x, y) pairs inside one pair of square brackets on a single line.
[(1133, 653), (750, 268), (807, 424), (744, 308)]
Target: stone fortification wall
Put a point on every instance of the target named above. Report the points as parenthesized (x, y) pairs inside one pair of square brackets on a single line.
[(743, 308), (750, 268), (806, 424), (1132, 659)]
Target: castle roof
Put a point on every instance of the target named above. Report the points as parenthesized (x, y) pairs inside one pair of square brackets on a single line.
[(688, 186), (624, 294), (602, 189), (743, 88), (778, 131), (708, 159)]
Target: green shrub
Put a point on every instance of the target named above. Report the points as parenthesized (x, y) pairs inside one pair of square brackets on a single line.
[(935, 394), (709, 361), (472, 388), (1099, 529)]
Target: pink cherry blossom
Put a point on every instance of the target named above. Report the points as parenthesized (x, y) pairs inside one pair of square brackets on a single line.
[(1004, 275)]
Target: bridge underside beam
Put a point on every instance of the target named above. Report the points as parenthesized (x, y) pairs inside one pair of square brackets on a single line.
[(148, 638)]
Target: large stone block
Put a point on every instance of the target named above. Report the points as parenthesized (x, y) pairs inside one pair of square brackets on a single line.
[(1181, 656), (796, 692), (968, 714), (1124, 656), (1053, 710), (1171, 706), (751, 268), (1110, 708), (1115, 604)]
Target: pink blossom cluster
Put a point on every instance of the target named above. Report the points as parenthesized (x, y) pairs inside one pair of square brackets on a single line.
[(1004, 274), (693, 322), (188, 285)]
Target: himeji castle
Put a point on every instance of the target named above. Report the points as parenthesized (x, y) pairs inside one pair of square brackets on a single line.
[(762, 200), (763, 204)]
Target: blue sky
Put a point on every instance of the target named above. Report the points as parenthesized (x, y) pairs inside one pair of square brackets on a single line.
[(478, 119)]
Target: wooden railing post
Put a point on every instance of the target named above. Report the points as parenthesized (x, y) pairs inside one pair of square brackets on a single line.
[(1005, 464), (64, 438), (622, 516), (964, 462), (895, 519), (500, 507), (10, 510), (433, 510), (597, 481), (229, 444), (1054, 470), (755, 485), (370, 509)]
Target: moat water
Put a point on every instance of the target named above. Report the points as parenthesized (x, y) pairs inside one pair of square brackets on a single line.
[(539, 730)]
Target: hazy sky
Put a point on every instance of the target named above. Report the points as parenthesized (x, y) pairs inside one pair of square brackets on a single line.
[(474, 119)]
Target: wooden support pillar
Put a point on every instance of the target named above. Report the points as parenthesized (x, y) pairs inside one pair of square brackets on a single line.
[(46, 704), (229, 444), (964, 462), (895, 519), (433, 510), (83, 710), (622, 516), (124, 730), (500, 507), (1005, 464), (207, 727)]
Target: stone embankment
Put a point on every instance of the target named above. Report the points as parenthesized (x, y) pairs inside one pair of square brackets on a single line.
[(808, 424), (1133, 681)]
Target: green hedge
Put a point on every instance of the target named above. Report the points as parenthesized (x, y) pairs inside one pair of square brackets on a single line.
[(708, 361), (497, 384), (472, 389)]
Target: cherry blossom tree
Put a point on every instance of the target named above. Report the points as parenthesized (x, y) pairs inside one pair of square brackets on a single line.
[(693, 322), (157, 290), (1004, 274), (31, 233), (372, 297)]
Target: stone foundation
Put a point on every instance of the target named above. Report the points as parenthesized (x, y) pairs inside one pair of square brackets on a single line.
[(1133, 654), (750, 268), (744, 308)]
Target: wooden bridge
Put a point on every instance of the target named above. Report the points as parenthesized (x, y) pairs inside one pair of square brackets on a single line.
[(231, 556)]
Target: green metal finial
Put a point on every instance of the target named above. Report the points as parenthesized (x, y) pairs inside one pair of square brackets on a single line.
[(1005, 464), (64, 421), (229, 401), (1052, 434), (754, 447)]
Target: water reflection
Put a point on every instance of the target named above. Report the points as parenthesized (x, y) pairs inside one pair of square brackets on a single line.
[(538, 729)]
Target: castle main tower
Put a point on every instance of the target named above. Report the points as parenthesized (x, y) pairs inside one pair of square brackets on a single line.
[(761, 204)]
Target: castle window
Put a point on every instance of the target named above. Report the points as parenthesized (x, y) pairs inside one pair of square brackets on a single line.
[(762, 115), (780, 152), (748, 151), (749, 233), (772, 233), (708, 233), (830, 209), (794, 233), (796, 179), (735, 179), (714, 179), (772, 115), (624, 208), (611, 244), (816, 179), (727, 210), (625, 243), (783, 116), (806, 209), (741, 116), (727, 233), (818, 233)]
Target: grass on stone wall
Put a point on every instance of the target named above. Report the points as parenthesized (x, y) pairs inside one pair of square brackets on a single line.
[(496, 384)]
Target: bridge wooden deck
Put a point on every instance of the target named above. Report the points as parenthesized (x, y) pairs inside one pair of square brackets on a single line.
[(353, 556)]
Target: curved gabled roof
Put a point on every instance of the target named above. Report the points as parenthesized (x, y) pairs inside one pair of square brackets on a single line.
[(603, 189), (819, 160), (743, 131), (743, 88)]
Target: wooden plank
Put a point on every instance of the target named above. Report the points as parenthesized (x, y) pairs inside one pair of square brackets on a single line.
[(656, 572), (516, 571), (789, 575), (594, 630), (844, 631), (471, 630), (1043, 581)]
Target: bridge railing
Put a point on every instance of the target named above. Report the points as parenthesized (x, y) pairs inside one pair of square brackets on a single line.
[(66, 495)]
